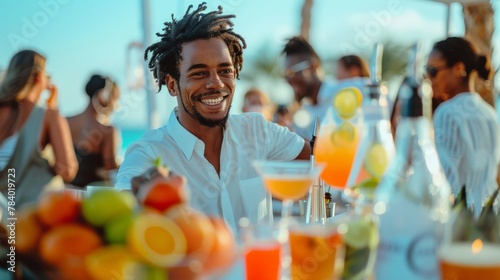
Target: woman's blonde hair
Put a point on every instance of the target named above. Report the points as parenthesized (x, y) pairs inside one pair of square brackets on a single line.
[(20, 76)]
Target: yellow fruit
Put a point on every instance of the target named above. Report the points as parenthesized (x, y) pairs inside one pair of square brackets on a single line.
[(344, 135), (376, 160), (112, 262), (157, 240), (347, 101)]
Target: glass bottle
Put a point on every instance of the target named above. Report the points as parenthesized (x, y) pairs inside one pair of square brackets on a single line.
[(413, 198)]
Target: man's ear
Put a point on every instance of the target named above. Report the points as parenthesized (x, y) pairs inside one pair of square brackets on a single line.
[(171, 84)]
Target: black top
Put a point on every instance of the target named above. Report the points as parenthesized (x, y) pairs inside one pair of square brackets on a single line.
[(88, 163)]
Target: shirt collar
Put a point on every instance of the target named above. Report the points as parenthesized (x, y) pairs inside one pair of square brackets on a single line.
[(182, 137)]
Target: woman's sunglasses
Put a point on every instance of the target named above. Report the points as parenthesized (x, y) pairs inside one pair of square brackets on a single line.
[(432, 71)]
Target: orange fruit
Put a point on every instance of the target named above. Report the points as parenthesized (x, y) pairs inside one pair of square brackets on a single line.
[(197, 229), (58, 207), (163, 192), (223, 251), (28, 229), (68, 241), (157, 240), (73, 268), (112, 262)]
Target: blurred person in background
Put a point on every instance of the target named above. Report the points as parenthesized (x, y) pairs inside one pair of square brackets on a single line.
[(95, 141), (352, 70), (255, 100), (465, 126), (27, 128), (304, 73)]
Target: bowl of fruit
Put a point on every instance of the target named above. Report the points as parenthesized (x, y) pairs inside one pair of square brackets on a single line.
[(113, 234)]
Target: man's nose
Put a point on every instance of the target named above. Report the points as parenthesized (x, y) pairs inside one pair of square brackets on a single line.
[(214, 82)]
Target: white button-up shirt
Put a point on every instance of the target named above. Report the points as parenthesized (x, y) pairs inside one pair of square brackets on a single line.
[(467, 141), (238, 191)]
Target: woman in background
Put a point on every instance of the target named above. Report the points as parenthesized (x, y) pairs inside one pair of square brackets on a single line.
[(26, 128), (96, 141), (465, 126)]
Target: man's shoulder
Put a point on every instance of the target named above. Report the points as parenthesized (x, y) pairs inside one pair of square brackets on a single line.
[(247, 120)]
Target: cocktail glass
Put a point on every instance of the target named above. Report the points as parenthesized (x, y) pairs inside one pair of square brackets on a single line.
[(336, 147), (288, 181), (262, 252), (316, 251), (471, 246)]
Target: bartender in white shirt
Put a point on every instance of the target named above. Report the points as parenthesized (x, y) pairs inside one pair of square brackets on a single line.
[(198, 59)]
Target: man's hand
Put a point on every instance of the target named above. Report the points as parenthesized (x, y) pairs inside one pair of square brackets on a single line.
[(146, 177)]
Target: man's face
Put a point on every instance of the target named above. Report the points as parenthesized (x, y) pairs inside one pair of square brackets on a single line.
[(299, 75), (206, 83)]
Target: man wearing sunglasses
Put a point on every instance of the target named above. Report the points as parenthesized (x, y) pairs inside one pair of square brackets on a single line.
[(303, 72)]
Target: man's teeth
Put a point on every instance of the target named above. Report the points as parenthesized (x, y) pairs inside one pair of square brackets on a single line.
[(214, 101)]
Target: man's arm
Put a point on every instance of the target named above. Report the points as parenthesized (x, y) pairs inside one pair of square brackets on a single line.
[(138, 159), (306, 151)]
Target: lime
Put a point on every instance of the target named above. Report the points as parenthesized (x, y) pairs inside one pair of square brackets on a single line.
[(344, 135), (376, 160), (367, 188), (361, 233), (347, 101)]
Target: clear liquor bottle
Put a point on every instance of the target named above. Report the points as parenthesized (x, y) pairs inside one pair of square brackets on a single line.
[(413, 199)]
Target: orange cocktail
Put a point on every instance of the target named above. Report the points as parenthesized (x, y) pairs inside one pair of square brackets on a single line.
[(290, 187), (263, 261), (336, 147), (459, 261), (316, 251)]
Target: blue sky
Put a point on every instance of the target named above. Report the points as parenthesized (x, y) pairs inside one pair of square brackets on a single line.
[(82, 37)]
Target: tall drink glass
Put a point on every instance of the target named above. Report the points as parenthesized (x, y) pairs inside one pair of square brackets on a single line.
[(471, 247), (339, 137)]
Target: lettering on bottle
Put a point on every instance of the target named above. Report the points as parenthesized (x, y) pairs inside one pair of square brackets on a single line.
[(421, 255)]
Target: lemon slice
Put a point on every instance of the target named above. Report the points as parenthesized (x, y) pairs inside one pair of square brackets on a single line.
[(347, 101), (344, 135), (157, 240), (376, 160)]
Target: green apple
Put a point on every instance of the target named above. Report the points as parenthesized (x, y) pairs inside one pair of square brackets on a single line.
[(116, 230), (107, 204)]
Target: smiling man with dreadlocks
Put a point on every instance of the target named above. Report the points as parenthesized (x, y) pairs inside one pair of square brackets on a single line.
[(198, 59)]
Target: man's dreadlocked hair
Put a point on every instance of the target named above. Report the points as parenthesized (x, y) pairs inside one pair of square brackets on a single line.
[(166, 54)]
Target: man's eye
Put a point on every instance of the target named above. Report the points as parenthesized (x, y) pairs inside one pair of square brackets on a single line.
[(198, 73), (227, 71)]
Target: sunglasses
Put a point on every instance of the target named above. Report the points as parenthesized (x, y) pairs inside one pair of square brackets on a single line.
[(296, 68), (433, 71)]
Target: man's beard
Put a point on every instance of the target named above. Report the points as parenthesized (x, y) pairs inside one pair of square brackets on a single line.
[(204, 121)]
